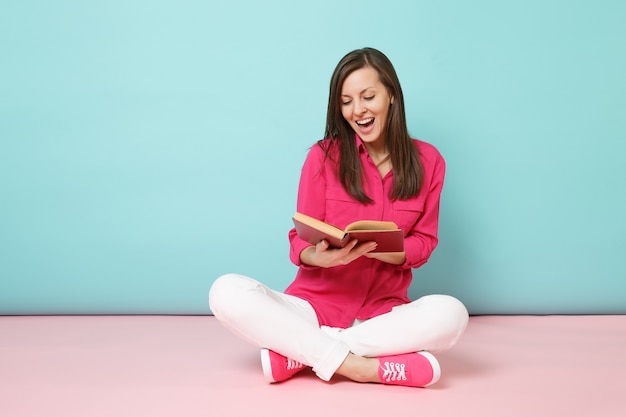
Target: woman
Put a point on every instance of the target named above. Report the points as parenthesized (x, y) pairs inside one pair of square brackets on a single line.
[(347, 312)]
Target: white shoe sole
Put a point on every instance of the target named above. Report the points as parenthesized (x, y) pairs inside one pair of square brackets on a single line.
[(266, 364), (435, 365)]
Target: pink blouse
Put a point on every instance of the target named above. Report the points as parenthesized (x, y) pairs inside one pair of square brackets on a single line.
[(366, 287)]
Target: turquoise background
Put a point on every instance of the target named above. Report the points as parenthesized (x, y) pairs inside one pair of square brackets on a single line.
[(146, 147)]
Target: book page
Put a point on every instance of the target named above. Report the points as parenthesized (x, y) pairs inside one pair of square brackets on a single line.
[(371, 225), (323, 227)]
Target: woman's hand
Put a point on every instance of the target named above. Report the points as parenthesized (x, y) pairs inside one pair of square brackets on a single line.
[(321, 255), (394, 258)]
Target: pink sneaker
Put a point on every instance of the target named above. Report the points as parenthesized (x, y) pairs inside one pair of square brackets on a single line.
[(277, 368), (419, 369)]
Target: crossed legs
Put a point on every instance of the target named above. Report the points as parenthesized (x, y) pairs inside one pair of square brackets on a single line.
[(288, 325)]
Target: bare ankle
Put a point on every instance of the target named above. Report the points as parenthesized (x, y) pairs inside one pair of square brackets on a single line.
[(359, 368)]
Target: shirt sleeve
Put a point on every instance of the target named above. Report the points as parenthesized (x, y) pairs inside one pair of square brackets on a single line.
[(422, 239), (311, 199)]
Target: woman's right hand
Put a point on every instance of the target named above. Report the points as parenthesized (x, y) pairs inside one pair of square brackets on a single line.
[(323, 256)]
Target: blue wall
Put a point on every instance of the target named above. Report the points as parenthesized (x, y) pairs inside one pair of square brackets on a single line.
[(147, 147)]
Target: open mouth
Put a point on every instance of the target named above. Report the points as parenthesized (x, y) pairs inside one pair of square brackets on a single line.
[(365, 122)]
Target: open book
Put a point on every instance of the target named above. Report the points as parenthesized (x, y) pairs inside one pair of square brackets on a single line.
[(386, 234)]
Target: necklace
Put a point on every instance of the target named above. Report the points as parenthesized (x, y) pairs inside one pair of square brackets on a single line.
[(382, 161)]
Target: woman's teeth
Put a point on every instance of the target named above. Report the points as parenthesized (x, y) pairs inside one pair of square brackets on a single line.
[(365, 122)]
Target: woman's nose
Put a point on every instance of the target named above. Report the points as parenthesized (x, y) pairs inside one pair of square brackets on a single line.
[(360, 108)]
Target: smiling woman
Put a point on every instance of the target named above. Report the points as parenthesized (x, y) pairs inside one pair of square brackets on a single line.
[(347, 311), (364, 104), (366, 98)]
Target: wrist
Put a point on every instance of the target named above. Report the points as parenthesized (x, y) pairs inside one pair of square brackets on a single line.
[(307, 255)]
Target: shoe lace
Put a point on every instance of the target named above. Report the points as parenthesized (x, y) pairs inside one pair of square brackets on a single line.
[(292, 364), (394, 371)]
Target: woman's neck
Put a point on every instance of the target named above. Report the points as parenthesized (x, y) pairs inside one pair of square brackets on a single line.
[(377, 150)]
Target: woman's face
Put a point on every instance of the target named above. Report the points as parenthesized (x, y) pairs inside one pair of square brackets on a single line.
[(365, 104)]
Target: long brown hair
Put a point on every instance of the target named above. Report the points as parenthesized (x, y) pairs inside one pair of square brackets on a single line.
[(407, 167)]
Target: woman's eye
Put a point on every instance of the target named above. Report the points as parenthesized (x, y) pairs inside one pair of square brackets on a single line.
[(369, 98), (345, 103)]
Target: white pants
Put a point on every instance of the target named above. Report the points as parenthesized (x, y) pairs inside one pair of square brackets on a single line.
[(288, 325)]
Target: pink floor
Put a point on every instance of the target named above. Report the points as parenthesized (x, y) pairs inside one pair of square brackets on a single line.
[(155, 366)]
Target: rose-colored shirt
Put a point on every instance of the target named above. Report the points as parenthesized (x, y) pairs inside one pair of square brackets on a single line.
[(366, 287)]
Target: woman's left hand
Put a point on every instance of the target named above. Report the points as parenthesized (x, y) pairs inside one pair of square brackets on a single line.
[(394, 258)]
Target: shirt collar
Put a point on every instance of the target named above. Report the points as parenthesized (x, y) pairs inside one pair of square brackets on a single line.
[(360, 146)]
